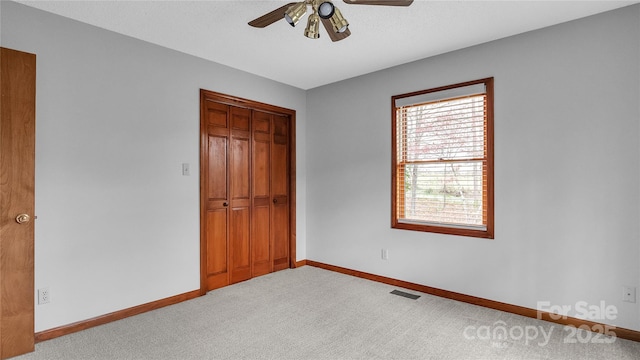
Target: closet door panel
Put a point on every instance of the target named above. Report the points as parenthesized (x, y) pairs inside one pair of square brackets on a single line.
[(240, 179), (217, 194), (280, 193), (261, 248), (217, 174), (240, 170), (240, 246), (261, 193), (217, 249)]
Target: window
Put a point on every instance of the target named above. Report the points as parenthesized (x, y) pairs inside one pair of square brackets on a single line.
[(442, 175)]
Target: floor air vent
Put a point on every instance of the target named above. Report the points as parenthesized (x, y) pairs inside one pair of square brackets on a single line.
[(404, 294)]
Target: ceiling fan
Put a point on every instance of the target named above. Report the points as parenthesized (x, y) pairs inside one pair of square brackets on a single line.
[(323, 11)]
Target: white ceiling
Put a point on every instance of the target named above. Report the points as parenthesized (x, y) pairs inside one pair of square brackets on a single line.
[(382, 36)]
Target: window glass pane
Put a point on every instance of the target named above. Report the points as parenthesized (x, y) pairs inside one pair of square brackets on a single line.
[(444, 192)]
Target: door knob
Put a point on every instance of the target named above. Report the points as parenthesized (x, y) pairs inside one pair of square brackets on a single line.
[(275, 201), (23, 218), (225, 204)]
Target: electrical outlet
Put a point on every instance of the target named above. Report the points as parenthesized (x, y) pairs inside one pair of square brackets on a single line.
[(629, 294), (43, 296), (385, 254)]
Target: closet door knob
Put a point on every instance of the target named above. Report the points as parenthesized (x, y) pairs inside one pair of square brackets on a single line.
[(225, 204)]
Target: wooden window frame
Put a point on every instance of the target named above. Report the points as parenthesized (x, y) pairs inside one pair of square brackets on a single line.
[(488, 169)]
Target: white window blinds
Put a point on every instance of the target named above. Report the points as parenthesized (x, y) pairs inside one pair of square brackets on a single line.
[(441, 163), (453, 93)]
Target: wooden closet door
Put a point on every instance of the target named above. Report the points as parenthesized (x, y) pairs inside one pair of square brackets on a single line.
[(245, 201), (228, 208), (280, 192), (240, 179), (262, 125), (216, 192)]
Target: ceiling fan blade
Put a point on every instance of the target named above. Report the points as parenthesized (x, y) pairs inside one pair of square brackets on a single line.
[(380, 2), (334, 36), (271, 17)]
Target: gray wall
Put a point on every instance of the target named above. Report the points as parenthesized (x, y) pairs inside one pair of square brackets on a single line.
[(567, 180), (118, 224)]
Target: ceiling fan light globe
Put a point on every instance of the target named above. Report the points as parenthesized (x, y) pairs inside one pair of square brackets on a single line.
[(338, 22), (295, 13), (326, 10), (289, 20)]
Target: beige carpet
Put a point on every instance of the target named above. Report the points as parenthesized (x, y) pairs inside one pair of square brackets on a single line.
[(310, 313)]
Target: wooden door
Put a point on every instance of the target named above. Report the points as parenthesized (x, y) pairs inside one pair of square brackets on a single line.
[(280, 193), (227, 172), (261, 183), (17, 168), (240, 178), (246, 179), (270, 193), (215, 188)]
